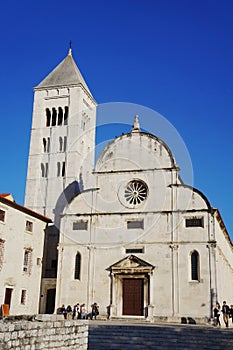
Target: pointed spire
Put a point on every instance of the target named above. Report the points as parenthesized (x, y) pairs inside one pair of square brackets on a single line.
[(66, 73), (136, 125)]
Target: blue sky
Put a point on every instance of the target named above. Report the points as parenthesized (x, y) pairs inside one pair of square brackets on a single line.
[(173, 56)]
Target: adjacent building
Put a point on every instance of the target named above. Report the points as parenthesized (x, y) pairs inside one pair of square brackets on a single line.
[(21, 253)]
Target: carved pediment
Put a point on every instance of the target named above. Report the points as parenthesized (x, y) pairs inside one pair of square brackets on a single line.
[(130, 263)]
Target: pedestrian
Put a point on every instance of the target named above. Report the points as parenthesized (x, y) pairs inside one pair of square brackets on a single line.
[(225, 311), (231, 313), (94, 311), (217, 315), (76, 311)]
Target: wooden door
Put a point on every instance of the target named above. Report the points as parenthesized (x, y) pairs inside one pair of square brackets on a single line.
[(50, 301), (8, 293), (133, 296)]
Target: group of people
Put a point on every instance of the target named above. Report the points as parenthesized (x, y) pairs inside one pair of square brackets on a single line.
[(226, 311), (79, 311)]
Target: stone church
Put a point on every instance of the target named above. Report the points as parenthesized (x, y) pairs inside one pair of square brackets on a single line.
[(127, 233)]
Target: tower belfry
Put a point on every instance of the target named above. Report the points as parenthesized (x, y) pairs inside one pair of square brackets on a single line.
[(62, 137)]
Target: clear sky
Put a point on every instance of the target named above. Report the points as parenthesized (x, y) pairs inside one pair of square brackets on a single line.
[(173, 56)]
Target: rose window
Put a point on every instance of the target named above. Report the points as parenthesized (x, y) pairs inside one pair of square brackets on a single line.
[(136, 192)]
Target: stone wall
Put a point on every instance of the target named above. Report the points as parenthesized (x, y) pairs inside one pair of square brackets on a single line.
[(42, 332)]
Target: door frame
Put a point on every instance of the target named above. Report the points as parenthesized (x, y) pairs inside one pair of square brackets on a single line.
[(117, 293), (130, 266)]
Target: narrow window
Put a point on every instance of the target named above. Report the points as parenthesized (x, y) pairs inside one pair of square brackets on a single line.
[(2, 215), (42, 170), (60, 144), (60, 116), (54, 116), (23, 297), (46, 169), (58, 169), (48, 117), (27, 261), (65, 144), (80, 225), (48, 144), (66, 115), (195, 266), (1, 252), (44, 145), (29, 226), (131, 224), (77, 266), (63, 172)]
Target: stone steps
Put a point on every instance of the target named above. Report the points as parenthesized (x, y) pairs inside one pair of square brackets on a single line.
[(121, 336)]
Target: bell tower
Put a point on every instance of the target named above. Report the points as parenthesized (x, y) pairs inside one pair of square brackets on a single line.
[(62, 137)]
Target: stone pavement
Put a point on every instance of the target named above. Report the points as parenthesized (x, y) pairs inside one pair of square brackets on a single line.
[(124, 335)]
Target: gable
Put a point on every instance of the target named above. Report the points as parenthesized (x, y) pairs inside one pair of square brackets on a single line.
[(131, 264)]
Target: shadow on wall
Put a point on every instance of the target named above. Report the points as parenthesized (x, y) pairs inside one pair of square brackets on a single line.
[(65, 198), (53, 231)]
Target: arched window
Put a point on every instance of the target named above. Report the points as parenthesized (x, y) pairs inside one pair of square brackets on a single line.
[(54, 116), (48, 144), (44, 144), (63, 172), (195, 261), (60, 116), (60, 143), (77, 268), (46, 169), (58, 169), (66, 115), (65, 144), (48, 117), (42, 170)]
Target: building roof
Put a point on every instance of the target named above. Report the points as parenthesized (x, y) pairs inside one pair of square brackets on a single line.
[(65, 73), (11, 203)]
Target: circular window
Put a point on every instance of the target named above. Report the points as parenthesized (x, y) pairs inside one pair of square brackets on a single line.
[(135, 192)]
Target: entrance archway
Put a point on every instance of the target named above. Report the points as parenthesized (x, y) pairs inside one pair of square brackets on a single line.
[(130, 287)]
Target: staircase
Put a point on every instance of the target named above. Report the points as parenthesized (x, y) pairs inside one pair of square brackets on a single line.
[(143, 336)]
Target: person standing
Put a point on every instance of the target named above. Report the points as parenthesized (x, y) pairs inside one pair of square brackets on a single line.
[(76, 312), (94, 311), (217, 315), (231, 313), (225, 311)]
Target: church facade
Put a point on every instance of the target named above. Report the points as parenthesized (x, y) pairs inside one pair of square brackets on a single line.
[(128, 233)]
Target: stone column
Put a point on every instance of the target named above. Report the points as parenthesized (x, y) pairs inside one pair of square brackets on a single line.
[(175, 279)]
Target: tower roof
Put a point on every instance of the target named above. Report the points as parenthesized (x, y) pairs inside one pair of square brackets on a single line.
[(65, 73)]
